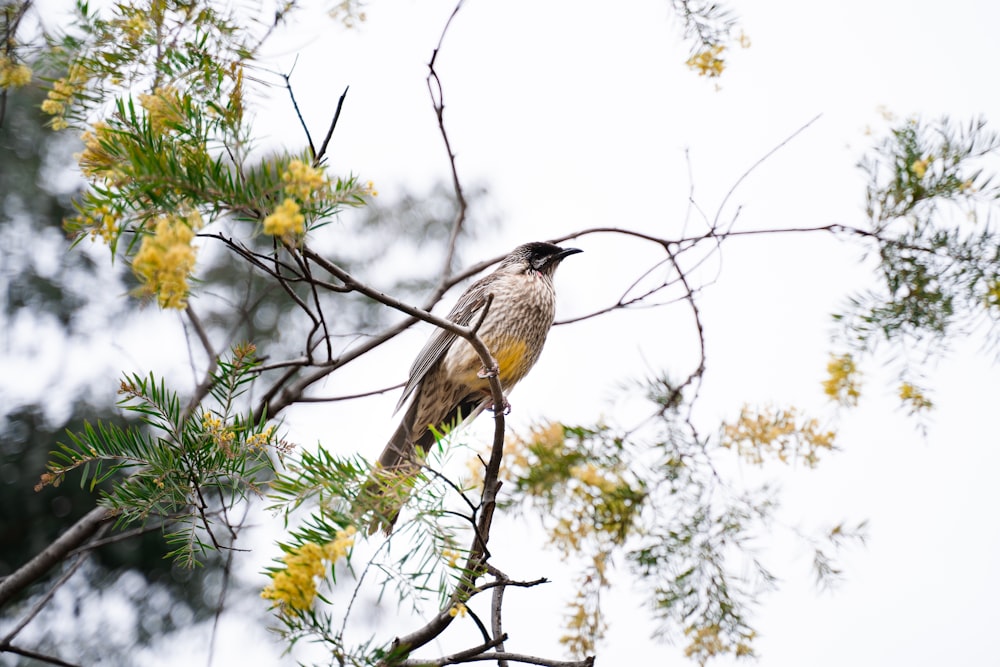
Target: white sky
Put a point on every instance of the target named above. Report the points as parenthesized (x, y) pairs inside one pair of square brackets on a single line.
[(577, 114)]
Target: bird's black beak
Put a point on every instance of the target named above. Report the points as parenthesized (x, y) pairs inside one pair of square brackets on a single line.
[(554, 259), (564, 253)]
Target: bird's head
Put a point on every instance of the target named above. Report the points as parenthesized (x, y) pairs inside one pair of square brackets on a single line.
[(537, 256)]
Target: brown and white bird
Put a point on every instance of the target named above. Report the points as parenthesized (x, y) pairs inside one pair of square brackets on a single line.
[(448, 382)]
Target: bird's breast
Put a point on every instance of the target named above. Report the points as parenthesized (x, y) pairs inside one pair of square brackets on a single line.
[(514, 330)]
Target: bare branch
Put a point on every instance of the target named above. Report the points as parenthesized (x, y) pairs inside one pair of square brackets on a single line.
[(318, 157), (53, 554), (295, 104), (41, 657), (44, 600), (436, 91)]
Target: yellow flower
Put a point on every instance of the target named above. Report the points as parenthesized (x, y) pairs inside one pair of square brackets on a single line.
[(590, 475), (992, 297), (777, 433), (842, 383), (303, 181), (135, 27), (451, 556), (95, 161), (166, 258), (919, 168), (707, 62), (294, 587), (13, 75), (338, 548), (164, 108), (53, 107), (916, 399), (458, 609), (286, 221)]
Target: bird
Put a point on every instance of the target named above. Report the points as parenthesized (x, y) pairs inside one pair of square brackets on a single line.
[(448, 382)]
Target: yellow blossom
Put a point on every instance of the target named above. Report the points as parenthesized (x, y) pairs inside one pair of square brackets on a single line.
[(166, 258), (370, 189), (451, 556), (223, 436), (286, 221), (135, 26), (259, 440), (12, 74), (95, 161), (164, 108), (919, 168), (62, 92), (992, 297), (913, 396), (778, 433), (589, 474), (293, 587), (707, 62), (842, 383), (53, 107), (458, 609), (303, 181), (341, 545)]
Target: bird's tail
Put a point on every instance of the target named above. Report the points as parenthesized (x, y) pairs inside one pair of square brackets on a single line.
[(391, 481)]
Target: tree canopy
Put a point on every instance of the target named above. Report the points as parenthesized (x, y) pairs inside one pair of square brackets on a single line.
[(259, 275)]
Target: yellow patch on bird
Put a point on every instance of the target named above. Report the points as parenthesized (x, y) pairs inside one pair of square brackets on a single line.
[(510, 358)]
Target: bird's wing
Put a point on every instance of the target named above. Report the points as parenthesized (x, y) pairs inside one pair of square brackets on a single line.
[(468, 306)]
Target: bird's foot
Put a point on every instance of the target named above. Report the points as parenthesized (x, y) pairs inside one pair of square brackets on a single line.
[(505, 408), (490, 372)]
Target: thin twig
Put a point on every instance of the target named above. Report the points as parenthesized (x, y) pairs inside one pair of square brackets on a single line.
[(295, 104), (44, 600), (436, 91), (318, 157), (38, 656)]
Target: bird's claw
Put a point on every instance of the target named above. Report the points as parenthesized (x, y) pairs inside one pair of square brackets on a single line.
[(491, 372), (506, 407)]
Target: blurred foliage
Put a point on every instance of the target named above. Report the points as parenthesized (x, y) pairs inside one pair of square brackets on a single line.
[(930, 201)]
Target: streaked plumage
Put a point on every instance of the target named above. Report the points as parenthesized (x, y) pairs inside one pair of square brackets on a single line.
[(446, 383)]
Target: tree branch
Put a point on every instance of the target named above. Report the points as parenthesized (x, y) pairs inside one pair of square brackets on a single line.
[(53, 554)]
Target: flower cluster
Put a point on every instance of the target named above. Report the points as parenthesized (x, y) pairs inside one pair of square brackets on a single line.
[(134, 27), (101, 220), (164, 109), (286, 221), (451, 556), (62, 92), (166, 258), (96, 161), (458, 609), (776, 432), (919, 167), (13, 74), (707, 62), (590, 475), (708, 641), (304, 181), (293, 588), (914, 398), (842, 383)]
